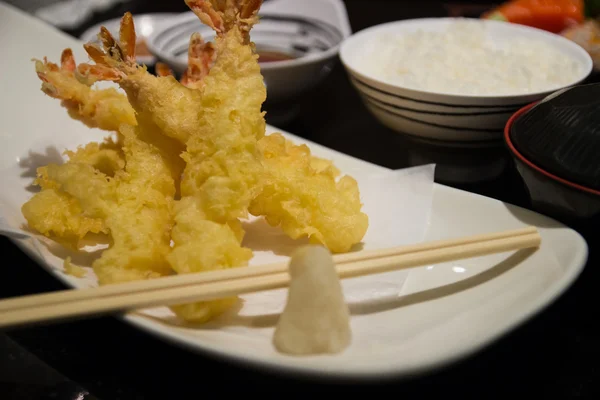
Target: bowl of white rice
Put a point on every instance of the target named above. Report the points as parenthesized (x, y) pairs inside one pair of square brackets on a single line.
[(458, 79)]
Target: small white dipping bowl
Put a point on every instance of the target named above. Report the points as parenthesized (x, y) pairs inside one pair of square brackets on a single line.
[(443, 116), (284, 27)]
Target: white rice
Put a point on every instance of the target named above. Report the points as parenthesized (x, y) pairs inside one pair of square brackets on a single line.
[(464, 60)]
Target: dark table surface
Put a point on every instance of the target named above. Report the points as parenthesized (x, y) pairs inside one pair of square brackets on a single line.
[(554, 355)]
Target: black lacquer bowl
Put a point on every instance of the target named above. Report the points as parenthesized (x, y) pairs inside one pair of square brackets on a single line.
[(556, 147)]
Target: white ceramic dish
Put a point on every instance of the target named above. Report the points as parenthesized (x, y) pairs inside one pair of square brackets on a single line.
[(145, 26), (442, 312), (438, 115), (312, 30)]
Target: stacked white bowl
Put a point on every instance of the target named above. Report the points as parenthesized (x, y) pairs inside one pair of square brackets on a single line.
[(441, 115)]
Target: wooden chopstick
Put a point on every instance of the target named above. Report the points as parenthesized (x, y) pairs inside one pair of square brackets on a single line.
[(237, 281), (213, 276), (236, 273)]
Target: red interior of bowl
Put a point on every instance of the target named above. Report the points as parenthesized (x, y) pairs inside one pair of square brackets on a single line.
[(513, 149)]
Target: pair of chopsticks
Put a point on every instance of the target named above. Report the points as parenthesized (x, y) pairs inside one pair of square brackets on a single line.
[(237, 281)]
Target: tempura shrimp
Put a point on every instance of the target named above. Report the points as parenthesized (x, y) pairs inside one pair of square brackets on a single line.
[(219, 122), (97, 108), (299, 191)]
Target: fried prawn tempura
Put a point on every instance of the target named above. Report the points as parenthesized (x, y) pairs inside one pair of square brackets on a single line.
[(141, 219), (201, 56), (190, 164), (306, 201), (54, 212), (161, 104), (223, 162), (105, 109), (220, 128), (299, 191), (135, 205), (223, 169)]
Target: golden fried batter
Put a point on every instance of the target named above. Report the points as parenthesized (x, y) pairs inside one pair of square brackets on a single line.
[(52, 212), (305, 202), (223, 166), (141, 218), (107, 157), (135, 205)]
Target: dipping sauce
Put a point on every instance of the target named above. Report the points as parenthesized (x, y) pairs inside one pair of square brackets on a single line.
[(141, 48), (271, 56)]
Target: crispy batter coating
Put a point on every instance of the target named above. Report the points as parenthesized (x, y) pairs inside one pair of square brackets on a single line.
[(204, 245), (54, 213), (141, 218), (106, 157), (136, 206), (223, 166), (308, 202), (223, 163)]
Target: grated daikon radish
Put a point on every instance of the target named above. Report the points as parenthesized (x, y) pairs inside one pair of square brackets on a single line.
[(316, 319)]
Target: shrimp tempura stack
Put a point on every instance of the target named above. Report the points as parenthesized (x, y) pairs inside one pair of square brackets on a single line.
[(135, 206), (53, 211), (306, 201), (219, 123), (190, 163), (224, 168)]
